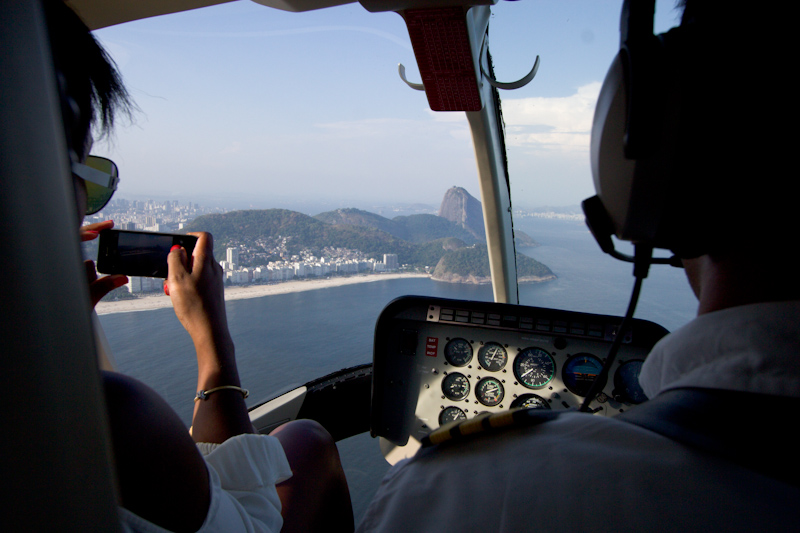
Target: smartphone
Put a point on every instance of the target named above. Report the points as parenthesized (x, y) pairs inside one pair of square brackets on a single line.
[(138, 253)]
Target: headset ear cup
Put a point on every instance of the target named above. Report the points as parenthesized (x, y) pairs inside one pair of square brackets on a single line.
[(631, 191), (661, 197), (611, 170)]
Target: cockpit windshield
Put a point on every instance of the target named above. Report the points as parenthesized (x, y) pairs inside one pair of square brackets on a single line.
[(244, 107)]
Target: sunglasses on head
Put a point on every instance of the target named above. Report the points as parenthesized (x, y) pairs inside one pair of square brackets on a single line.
[(101, 176)]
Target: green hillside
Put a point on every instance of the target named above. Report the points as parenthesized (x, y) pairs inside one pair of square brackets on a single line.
[(412, 228), (357, 217), (304, 232), (433, 241), (472, 265)]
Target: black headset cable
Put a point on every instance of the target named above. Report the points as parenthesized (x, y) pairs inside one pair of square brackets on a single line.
[(641, 266)]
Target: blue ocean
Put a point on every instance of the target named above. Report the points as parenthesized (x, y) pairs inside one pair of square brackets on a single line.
[(288, 339)]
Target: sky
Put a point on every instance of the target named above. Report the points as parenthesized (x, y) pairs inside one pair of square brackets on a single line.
[(243, 106)]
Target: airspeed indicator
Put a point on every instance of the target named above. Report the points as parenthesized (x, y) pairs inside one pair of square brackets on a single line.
[(492, 356)]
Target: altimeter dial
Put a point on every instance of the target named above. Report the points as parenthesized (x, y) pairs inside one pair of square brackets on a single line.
[(534, 368)]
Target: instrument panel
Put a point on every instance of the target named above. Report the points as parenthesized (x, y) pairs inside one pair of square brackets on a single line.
[(437, 361)]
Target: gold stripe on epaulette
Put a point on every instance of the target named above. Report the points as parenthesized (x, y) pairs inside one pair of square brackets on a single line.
[(505, 418), (473, 425), (485, 422)]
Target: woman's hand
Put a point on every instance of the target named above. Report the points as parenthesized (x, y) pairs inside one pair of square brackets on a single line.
[(99, 287), (195, 285), (89, 232)]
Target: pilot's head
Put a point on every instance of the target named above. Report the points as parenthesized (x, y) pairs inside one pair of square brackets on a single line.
[(689, 142)]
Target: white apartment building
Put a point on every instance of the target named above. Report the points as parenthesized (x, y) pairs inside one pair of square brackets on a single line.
[(137, 284), (232, 256), (390, 262)]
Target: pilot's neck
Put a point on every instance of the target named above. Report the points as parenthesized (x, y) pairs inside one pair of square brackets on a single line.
[(724, 282)]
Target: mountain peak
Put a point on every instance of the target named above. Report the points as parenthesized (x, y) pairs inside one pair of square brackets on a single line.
[(462, 208)]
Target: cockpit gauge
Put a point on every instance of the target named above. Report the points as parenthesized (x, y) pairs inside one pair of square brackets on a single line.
[(451, 414), (626, 382), (458, 352), (489, 391), (455, 386), (530, 401), (492, 356), (534, 368), (580, 371)]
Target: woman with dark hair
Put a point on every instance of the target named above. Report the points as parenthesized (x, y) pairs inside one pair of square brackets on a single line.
[(223, 476)]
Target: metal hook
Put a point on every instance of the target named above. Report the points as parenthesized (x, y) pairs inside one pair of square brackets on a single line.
[(514, 84), (498, 84), (416, 86)]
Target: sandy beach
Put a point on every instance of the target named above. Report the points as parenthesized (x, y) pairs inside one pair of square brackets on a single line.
[(158, 301)]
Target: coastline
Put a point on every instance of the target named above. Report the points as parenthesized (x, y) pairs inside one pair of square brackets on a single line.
[(160, 301), (485, 280)]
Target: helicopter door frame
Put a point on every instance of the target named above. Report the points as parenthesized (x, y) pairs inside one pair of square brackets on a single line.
[(55, 446), (488, 140)]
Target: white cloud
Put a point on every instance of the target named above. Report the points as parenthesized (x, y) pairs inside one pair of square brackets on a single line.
[(558, 124)]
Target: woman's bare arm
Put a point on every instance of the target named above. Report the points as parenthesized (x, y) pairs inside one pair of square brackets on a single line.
[(195, 285)]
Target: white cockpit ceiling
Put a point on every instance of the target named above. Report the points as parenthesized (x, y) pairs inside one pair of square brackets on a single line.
[(102, 13)]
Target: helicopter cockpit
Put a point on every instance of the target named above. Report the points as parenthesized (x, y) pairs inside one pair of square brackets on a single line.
[(436, 360)]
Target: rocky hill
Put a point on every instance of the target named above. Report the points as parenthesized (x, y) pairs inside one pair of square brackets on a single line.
[(461, 208), (523, 240), (471, 265)]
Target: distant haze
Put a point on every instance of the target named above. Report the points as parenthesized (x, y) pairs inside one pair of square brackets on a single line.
[(243, 105)]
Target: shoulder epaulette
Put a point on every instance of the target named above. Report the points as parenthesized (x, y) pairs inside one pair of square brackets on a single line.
[(486, 422)]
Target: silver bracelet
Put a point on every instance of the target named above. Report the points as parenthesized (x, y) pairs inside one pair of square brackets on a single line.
[(203, 394)]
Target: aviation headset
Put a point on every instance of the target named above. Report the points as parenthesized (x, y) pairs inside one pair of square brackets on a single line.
[(653, 187), (639, 162)]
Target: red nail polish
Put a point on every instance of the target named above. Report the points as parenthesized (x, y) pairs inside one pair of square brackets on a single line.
[(166, 288), (175, 247)]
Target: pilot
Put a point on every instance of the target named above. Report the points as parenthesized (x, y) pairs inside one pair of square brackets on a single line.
[(242, 481), (711, 449)]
